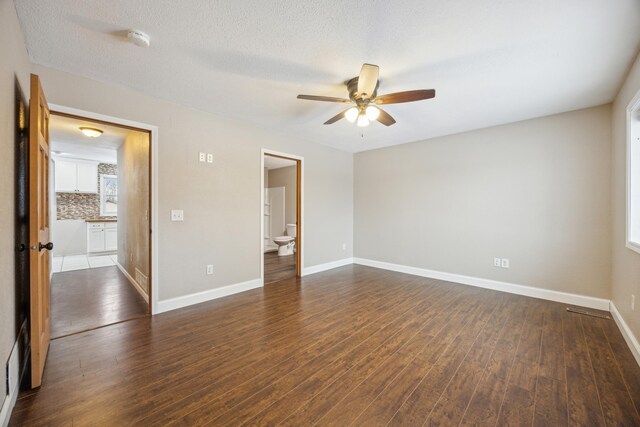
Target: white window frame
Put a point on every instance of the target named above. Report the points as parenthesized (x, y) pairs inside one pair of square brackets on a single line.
[(633, 174), (103, 211)]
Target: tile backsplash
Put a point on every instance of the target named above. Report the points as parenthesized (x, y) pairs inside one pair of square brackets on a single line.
[(83, 205)]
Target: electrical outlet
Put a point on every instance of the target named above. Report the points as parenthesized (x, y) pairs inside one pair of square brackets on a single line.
[(202, 157), (633, 303), (344, 246), (177, 215), (505, 263), (209, 269), (497, 262), (209, 158)]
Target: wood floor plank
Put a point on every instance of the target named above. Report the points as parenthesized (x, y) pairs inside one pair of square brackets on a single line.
[(484, 407), (617, 404), (277, 268), (244, 362), (518, 404), (306, 390), (551, 388), (353, 344), (453, 403), (401, 332), (91, 298), (583, 401), (443, 328), (630, 370), (401, 315), (416, 409)]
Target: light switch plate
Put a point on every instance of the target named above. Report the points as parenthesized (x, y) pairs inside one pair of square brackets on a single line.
[(177, 215), (209, 158), (505, 262)]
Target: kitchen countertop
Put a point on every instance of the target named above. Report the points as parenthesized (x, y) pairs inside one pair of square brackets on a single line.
[(101, 220)]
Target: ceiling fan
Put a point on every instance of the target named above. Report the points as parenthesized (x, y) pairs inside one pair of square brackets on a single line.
[(363, 92)]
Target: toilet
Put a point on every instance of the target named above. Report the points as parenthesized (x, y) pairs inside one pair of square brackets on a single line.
[(286, 244)]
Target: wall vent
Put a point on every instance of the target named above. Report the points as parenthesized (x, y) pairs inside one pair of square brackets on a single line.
[(142, 280), (13, 368)]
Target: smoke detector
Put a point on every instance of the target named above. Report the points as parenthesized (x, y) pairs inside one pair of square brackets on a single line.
[(138, 38)]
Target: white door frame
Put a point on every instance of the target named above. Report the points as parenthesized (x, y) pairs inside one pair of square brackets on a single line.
[(153, 130), (263, 152)]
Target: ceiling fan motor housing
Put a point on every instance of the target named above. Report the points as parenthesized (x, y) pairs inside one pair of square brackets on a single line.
[(352, 87)]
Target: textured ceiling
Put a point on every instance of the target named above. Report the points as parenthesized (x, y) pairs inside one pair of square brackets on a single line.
[(277, 162), (490, 61)]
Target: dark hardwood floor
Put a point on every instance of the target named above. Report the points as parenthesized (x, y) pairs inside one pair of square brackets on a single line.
[(278, 268), (87, 299), (354, 345)]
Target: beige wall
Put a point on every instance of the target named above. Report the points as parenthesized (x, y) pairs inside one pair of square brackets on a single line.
[(286, 177), (14, 63), (221, 201), (626, 263), (536, 192), (133, 204)]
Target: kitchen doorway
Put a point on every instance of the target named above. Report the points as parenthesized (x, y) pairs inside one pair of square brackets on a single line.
[(100, 210)]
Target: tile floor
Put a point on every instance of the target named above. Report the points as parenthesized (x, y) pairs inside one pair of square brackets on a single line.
[(82, 262)]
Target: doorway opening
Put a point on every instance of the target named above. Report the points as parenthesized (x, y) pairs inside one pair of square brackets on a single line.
[(100, 210), (281, 240)]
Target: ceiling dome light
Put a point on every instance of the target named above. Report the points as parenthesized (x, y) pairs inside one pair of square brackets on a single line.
[(91, 132), (363, 121), (351, 114), (372, 112)]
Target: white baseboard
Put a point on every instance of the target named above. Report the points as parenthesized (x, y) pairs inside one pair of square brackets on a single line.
[(629, 337), (564, 297), (327, 266), (186, 300), (10, 399), (134, 283)]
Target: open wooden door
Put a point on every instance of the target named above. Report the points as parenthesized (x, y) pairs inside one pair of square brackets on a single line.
[(40, 246)]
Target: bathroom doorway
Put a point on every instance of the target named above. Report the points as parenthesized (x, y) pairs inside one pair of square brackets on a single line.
[(281, 217)]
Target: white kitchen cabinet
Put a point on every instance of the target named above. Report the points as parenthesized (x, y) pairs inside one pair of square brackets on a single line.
[(66, 175), (87, 177), (111, 236), (102, 237), (76, 176)]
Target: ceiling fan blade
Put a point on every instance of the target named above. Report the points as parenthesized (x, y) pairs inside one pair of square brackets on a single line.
[(324, 98), (336, 118), (368, 80), (408, 96), (385, 118)]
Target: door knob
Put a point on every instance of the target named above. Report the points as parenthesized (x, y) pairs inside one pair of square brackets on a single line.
[(47, 246)]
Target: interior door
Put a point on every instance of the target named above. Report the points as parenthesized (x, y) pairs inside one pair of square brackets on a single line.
[(40, 318)]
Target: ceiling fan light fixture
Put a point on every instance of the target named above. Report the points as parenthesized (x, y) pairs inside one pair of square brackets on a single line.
[(91, 132), (363, 120), (351, 114), (372, 112)]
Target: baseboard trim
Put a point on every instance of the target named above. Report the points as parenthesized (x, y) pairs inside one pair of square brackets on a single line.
[(134, 283), (10, 400), (326, 266), (564, 297), (187, 300), (629, 337)]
